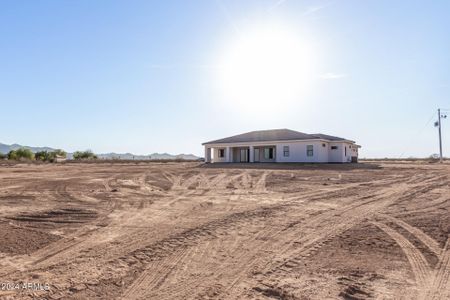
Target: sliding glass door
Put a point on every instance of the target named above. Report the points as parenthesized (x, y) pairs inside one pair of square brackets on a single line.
[(244, 155), (256, 155)]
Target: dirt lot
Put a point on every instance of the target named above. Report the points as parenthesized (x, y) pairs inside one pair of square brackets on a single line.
[(183, 231)]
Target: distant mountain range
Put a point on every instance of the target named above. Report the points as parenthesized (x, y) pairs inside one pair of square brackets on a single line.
[(6, 148), (154, 156)]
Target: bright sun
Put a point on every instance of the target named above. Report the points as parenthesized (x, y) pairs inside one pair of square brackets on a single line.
[(264, 69)]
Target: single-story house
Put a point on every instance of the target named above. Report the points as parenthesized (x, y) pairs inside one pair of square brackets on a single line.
[(281, 145)]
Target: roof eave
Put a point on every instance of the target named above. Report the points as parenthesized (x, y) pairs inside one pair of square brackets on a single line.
[(278, 141)]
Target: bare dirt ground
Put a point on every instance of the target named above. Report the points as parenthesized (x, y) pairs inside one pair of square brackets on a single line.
[(183, 231)]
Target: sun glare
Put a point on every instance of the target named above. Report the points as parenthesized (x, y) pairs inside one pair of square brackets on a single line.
[(264, 69)]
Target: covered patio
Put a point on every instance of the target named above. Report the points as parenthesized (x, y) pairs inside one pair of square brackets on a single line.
[(240, 154)]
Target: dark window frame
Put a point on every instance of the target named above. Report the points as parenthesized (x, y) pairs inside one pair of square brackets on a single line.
[(221, 153), (309, 150), (286, 151)]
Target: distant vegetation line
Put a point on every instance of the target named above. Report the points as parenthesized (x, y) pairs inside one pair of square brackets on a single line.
[(17, 152)]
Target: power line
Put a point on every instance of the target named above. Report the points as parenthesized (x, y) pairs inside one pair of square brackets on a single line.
[(419, 132)]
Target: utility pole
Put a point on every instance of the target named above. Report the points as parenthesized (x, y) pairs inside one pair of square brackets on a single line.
[(438, 124), (440, 135)]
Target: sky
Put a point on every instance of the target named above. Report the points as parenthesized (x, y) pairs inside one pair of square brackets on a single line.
[(165, 76)]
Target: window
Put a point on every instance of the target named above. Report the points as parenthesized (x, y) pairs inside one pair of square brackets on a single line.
[(221, 153), (309, 150), (285, 151), (334, 147), (268, 153), (324, 145), (345, 149)]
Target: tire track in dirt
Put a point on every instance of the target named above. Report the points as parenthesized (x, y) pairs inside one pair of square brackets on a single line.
[(218, 181), (71, 243), (440, 202), (419, 264), (260, 185), (349, 218), (426, 188), (423, 237), (440, 276), (440, 287), (179, 290), (134, 238), (248, 259), (171, 246), (154, 278), (244, 218)]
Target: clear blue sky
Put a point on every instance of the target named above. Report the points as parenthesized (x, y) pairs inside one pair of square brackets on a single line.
[(142, 76)]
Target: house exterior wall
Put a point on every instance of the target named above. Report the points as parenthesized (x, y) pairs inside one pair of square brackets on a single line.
[(298, 152), (343, 153), (237, 153), (322, 151), (215, 154), (335, 152), (347, 152), (354, 152), (262, 157)]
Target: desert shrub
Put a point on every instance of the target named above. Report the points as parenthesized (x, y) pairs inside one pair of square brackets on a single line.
[(88, 154), (21, 154), (434, 156), (50, 156), (3, 156), (12, 155), (41, 155), (60, 152)]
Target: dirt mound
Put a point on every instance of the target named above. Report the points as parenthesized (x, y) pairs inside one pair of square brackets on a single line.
[(17, 240)]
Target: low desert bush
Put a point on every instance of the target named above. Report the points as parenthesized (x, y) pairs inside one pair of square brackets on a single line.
[(50, 156), (21, 154), (88, 154)]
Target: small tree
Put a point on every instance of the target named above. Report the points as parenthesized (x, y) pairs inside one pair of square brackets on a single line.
[(50, 156), (41, 155), (21, 154), (12, 155), (88, 154), (77, 155)]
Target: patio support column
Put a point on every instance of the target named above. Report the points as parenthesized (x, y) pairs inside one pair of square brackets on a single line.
[(252, 151), (207, 154), (229, 154)]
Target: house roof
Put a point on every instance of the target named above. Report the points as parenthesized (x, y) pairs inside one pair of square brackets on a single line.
[(327, 137), (273, 135)]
